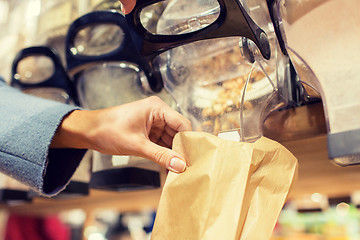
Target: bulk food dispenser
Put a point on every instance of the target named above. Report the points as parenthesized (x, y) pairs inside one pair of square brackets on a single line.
[(321, 38), (220, 60), (227, 62), (106, 71), (54, 19), (38, 71)]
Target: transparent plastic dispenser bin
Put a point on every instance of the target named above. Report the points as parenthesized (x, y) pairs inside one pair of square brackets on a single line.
[(106, 72), (107, 85), (322, 40), (53, 21), (54, 18), (38, 71), (223, 85), (18, 26)]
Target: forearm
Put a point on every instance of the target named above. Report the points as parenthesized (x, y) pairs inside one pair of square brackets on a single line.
[(75, 130)]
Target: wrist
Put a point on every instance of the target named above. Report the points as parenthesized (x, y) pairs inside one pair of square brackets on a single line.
[(75, 131)]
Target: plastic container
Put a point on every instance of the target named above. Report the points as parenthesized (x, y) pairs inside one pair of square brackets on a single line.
[(321, 38), (221, 84), (54, 20), (107, 72), (18, 26)]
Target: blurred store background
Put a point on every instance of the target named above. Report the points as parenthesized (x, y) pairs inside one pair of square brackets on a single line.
[(324, 204)]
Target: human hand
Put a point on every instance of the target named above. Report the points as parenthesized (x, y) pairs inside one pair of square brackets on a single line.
[(144, 128), (127, 5)]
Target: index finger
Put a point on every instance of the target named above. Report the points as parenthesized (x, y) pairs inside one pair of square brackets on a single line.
[(127, 6), (176, 121)]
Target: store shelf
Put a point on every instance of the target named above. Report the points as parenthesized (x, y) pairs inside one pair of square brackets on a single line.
[(120, 201), (317, 173)]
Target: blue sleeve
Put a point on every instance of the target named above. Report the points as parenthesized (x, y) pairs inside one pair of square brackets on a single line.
[(27, 126)]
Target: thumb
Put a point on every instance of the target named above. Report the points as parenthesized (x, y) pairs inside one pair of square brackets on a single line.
[(164, 157)]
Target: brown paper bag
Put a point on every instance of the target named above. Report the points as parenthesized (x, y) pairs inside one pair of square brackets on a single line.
[(230, 191)]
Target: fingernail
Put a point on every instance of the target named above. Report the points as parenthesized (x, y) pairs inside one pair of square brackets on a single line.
[(177, 165), (122, 8)]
